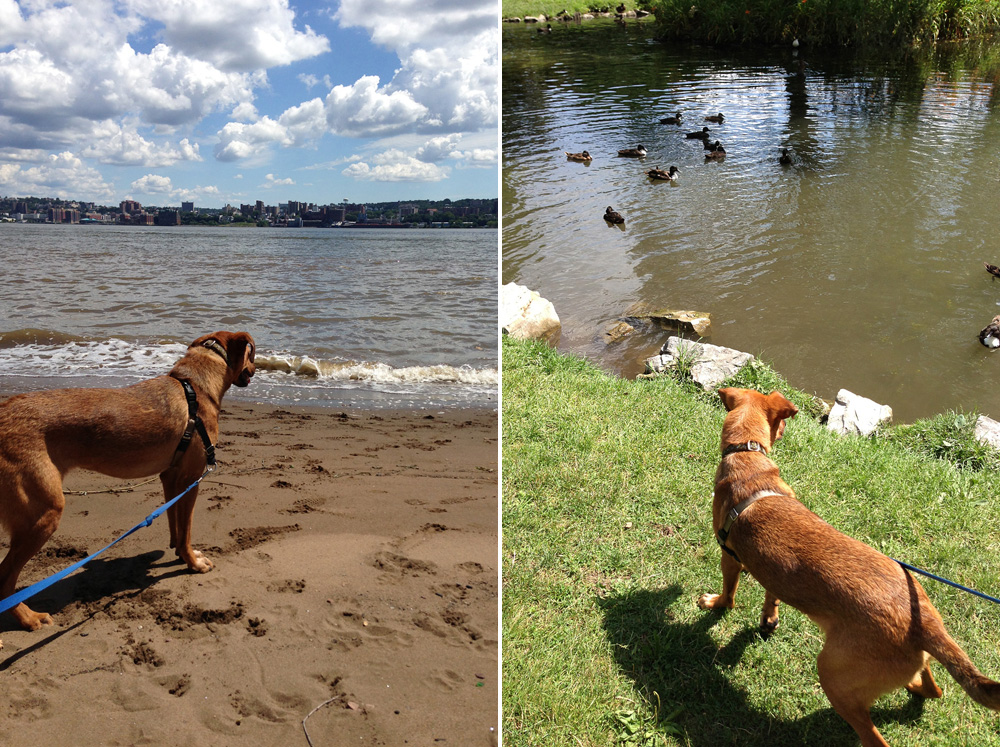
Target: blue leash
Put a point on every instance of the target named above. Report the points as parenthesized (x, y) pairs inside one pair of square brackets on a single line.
[(946, 581), (15, 599)]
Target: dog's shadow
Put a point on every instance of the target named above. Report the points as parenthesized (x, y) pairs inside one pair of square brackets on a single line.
[(99, 586), (677, 666)]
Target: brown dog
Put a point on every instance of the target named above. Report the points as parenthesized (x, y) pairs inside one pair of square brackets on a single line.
[(126, 433), (879, 624)]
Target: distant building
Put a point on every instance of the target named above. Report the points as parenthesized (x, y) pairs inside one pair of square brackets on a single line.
[(169, 217), (187, 207), (130, 207)]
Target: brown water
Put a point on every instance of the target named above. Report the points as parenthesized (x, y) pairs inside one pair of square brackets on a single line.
[(860, 266)]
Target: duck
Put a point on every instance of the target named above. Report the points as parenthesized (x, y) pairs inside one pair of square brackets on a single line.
[(716, 152), (613, 216), (990, 334), (702, 135), (637, 152), (784, 159), (717, 118), (666, 176), (585, 156), (709, 145), (545, 29), (674, 120), (992, 269)]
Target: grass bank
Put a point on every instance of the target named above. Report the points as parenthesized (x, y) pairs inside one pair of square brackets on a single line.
[(551, 8), (858, 23), (607, 545), (826, 22)]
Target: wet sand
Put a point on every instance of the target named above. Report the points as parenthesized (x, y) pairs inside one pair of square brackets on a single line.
[(355, 587)]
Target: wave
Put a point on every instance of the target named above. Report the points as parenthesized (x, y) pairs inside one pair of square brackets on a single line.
[(43, 353), (380, 373)]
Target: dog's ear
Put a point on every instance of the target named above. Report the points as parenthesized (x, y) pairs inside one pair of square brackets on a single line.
[(779, 406), (731, 397)]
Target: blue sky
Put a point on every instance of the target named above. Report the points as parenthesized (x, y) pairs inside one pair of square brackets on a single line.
[(165, 101)]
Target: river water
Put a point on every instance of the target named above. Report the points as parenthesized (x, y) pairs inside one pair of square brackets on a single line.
[(342, 318), (859, 266)]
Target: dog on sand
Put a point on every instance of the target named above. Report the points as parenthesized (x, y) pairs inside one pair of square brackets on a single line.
[(880, 626), (132, 432)]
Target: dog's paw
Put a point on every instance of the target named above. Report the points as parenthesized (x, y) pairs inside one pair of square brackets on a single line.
[(196, 561), (767, 627), (31, 620), (709, 601), (201, 563)]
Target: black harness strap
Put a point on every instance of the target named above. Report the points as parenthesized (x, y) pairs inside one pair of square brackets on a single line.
[(195, 423), (732, 516), (734, 513)]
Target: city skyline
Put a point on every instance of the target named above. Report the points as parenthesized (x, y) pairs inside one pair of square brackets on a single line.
[(182, 101)]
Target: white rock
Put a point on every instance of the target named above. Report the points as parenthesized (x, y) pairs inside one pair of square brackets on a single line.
[(525, 315), (988, 431), (710, 364), (853, 414)]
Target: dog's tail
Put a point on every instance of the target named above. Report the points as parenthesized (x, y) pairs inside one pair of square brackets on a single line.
[(942, 647)]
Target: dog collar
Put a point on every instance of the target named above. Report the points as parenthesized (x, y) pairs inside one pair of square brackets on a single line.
[(216, 347), (734, 513), (748, 446)]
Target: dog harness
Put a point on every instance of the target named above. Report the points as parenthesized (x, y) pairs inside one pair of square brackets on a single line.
[(195, 423), (734, 513)]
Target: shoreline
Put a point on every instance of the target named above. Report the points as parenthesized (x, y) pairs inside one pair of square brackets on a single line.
[(356, 585)]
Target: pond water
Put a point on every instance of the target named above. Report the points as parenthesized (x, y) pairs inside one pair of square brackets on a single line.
[(858, 266)]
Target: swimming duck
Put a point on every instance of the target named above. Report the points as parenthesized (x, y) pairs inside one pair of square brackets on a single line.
[(675, 120), (585, 156), (716, 152), (992, 269), (717, 118), (702, 135), (637, 152), (784, 159), (667, 176), (613, 216), (990, 334), (545, 29)]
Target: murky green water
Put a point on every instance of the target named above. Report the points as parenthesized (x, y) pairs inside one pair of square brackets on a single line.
[(860, 266)]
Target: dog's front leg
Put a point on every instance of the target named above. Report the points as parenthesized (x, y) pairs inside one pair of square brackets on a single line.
[(769, 615), (179, 518), (731, 568)]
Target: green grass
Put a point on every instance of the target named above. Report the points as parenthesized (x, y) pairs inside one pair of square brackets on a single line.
[(607, 545)]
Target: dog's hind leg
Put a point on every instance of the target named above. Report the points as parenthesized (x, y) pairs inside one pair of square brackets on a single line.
[(731, 568), (42, 495), (853, 680), (769, 615), (923, 682)]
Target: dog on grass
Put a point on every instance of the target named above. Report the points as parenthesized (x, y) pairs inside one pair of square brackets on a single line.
[(132, 432), (880, 626)]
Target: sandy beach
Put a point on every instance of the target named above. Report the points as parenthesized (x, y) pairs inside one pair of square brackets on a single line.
[(355, 587)]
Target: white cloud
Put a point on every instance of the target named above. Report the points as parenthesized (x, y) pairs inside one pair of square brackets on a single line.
[(396, 166), (447, 82), (162, 189), (122, 145), (60, 174), (271, 181), (153, 184), (237, 35)]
